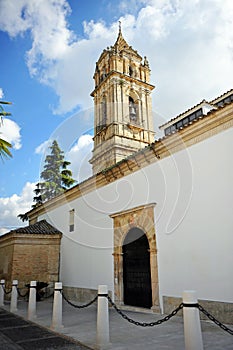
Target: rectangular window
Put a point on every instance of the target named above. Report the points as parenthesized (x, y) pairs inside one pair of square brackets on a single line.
[(71, 220)]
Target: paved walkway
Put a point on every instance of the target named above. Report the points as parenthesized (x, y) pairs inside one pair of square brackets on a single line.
[(80, 325), (18, 334)]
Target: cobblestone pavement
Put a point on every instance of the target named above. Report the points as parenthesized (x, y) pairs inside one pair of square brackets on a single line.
[(19, 334), (80, 324)]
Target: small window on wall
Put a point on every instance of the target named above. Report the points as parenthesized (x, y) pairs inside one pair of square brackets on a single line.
[(71, 220)]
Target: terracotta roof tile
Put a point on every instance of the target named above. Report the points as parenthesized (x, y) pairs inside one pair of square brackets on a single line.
[(184, 113), (40, 227), (229, 92)]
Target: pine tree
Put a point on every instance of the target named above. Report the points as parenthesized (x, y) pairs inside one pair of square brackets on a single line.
[(57, 178), (38, 196)]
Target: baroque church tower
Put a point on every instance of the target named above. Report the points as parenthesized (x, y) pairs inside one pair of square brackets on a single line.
[(123, 122)]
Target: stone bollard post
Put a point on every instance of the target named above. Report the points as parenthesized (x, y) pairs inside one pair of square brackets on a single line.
[(14, 296), (192, 325), (32, 301), (2, 286), (102, 334), (57, 307)]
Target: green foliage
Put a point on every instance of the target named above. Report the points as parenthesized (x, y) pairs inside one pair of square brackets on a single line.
[(4, 149), (23, 217), (57, 178), (38, 196)]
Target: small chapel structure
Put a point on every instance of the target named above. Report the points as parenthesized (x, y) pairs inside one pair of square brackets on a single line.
[(155, 218)]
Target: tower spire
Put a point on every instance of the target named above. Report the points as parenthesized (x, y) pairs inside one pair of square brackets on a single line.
[(120, 42)]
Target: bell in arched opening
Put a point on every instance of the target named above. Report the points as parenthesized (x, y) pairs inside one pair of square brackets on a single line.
[(132, 110)]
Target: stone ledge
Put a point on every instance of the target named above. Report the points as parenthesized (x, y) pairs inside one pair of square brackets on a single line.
[(222, 311), (82, 295)]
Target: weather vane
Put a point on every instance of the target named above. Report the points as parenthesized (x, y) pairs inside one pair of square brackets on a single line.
[(119, 26)]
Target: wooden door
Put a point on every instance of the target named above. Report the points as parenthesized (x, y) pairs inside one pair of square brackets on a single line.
[(136, 269)]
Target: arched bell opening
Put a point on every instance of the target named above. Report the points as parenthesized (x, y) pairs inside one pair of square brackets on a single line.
[(133, 110)]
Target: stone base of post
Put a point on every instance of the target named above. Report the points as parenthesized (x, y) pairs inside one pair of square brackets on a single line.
[(192, 324), (102, 333), (57, 307)]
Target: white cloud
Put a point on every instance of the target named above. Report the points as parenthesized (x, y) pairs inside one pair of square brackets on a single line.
[(11, 207), (131, 6), (46, 21), (12, 18), (10, 131), (1, 93), (188, 42), (43, 147), (79, 156)]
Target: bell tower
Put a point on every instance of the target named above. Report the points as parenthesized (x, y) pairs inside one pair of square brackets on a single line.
[(123, 122)]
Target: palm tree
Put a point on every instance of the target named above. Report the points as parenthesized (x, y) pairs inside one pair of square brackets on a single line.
[(4, 149), (4, 145)]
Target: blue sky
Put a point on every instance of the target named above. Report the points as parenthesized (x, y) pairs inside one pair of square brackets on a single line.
[(48, 54)]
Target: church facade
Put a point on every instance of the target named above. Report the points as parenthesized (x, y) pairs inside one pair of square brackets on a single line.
[(156, 216)]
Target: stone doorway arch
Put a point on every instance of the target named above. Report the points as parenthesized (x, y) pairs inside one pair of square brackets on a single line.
[(141, 217)]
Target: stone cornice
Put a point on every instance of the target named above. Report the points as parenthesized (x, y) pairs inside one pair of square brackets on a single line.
[(18, 238), (211, 124), (131, 211), (121, 76)]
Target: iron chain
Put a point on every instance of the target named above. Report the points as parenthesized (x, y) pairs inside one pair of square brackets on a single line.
[(6, 292), (168, 317), (145, 324), (22, 295), (79, 306), (130, 320), (46, 295), (213, 319)]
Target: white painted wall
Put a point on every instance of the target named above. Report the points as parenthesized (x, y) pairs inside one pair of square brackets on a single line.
[(194, 222)]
